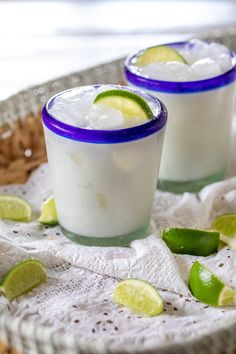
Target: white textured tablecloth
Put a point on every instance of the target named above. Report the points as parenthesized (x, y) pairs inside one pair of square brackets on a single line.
[(77, 297)]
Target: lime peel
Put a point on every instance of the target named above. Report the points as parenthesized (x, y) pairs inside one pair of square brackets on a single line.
[(191, 241), (139, 296), (130, 104), (22, 278)]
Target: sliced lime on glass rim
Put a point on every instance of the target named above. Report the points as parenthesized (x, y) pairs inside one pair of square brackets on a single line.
[(127, 102), (14, 208), (139, 296), (226, 226), (157, 54), (48, 212), (191, 241), (22, 278), (207, 288)]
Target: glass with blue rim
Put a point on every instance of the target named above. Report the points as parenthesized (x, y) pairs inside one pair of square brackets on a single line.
[(104, 180), (198, 133)]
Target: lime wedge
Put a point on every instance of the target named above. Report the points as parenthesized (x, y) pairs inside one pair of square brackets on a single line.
[(207, 288), (191, 241), (130, 104), (158, 54), (22, 278), (48, 212), (226, 225), (14, 208), (139, 296)]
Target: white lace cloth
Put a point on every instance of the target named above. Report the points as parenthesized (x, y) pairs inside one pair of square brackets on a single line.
[(77, 297)]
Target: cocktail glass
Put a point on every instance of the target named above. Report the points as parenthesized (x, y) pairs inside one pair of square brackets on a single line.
[(104, 180), (198, 132)]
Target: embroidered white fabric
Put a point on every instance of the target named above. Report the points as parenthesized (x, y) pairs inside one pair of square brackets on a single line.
[(77, 297)]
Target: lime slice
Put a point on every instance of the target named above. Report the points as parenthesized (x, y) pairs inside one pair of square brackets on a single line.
[(48, 212), (207, 288), (191, 241), (139, 296), (14, 208), (22, 278), (226, 225), (130, 104), (158, 54)]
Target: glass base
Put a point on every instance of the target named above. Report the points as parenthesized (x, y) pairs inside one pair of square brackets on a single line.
[(123, 240), (189, 186)]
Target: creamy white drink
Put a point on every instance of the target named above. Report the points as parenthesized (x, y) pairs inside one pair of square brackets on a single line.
[(199, 93), (104, 165)]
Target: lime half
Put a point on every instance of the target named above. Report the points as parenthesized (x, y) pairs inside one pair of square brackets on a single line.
[(48, 212), (139, 296), (130, 104), (226, 225), (191, 241), (158, 54), (14, 208), (22, 278), (207, 288)]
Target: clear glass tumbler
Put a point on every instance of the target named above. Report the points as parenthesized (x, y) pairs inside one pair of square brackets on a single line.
[(198, 132), (104, 180)]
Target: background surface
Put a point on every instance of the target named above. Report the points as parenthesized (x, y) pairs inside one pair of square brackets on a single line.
[(40, 40)]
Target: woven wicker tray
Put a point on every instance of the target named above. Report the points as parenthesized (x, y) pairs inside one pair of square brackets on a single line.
[(22, 149)]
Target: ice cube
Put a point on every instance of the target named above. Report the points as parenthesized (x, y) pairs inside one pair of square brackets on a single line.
[(167, 71), (198, 49), (205, 69), (77, 94), (103, 117), (224, 61), (186, 54), (69, 112), (215, 49)]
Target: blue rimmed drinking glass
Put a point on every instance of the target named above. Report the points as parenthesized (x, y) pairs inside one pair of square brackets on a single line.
[(197, 140), (104, 180)]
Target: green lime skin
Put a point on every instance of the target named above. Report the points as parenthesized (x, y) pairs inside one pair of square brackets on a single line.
[(191, 241), (204, 285), (112, 98), (22, 278)]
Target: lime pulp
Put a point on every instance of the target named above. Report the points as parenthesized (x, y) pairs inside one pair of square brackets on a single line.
[(158, 54), (130, 104), (226, 225), (22, 278), (48, 212), (14, 208)]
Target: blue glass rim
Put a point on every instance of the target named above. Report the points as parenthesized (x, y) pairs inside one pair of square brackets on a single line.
[(175, 86), (106, 136)]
